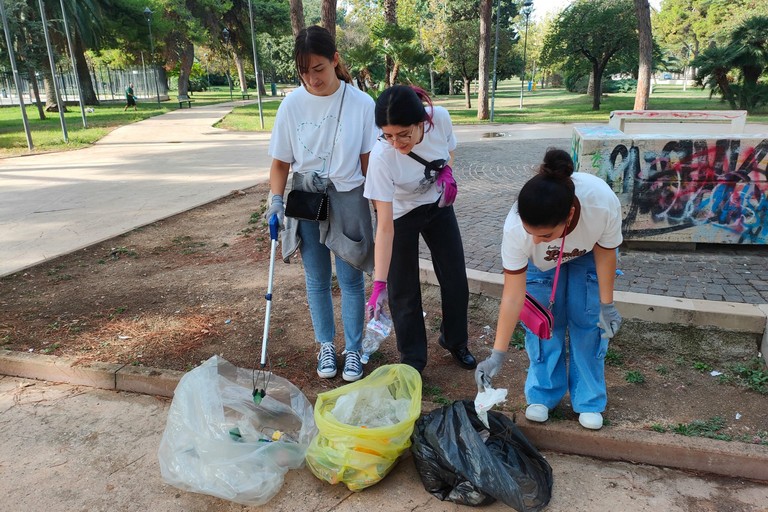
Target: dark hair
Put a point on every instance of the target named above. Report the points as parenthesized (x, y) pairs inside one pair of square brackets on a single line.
[(546, 199), (403, 105), (316, 40)]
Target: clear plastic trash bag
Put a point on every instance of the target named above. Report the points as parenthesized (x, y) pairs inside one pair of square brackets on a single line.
[(217, 441), (462, 461), (378, 414)]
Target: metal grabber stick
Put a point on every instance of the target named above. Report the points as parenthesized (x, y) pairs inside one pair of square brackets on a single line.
[(258, 394)]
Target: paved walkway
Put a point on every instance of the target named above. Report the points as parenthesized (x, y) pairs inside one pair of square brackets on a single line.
[(55, 203), (67, 447)]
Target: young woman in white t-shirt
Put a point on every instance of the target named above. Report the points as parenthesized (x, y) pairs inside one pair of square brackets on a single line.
[(324, 132), (412, 200), (554, 203)]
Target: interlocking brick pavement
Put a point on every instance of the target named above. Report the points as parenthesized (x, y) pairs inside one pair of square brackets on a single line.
[(490, 173)]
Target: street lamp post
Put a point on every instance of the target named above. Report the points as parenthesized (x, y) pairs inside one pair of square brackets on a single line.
[(16, 78), (495, 58), (148, 16), (225, 34), (527, 8), (256, 64)]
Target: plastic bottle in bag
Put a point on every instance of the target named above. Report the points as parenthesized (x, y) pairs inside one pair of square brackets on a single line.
[(375, 333)]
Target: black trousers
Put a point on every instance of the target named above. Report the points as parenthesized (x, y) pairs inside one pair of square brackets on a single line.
[(440, 231)]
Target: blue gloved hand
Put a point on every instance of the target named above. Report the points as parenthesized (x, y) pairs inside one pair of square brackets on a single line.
[(609, 320), (447, 184), (488, 369), (276, 208), (377, 301)]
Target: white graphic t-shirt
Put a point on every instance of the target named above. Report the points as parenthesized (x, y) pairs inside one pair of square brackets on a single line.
[(304, 129), (399, 179), (599, 223)]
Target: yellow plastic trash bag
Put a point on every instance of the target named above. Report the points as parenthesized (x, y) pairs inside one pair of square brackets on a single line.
[(365, 426)]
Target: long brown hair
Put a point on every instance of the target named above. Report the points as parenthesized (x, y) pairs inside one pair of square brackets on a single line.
[(316, 40)]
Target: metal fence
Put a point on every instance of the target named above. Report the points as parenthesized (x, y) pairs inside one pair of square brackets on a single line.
[(109, 84)]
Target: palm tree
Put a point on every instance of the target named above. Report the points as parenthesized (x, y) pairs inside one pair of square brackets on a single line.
[(713, 66), (749, 44)]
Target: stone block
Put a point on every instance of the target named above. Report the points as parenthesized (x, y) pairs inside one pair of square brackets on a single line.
[(150, 381), (58, 369)]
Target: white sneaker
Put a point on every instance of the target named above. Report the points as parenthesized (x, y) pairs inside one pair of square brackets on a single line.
[(537, 412), (353, 367), (326, 361), (591, 420)]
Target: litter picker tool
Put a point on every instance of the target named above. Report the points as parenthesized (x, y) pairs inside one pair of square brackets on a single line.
[(263, 375)]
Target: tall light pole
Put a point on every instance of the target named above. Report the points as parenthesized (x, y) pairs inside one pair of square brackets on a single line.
[(148, 16), (527, 8), (495, 57), (255, 64), (74, 64), (16, 78), (59, 101), (225, 34)]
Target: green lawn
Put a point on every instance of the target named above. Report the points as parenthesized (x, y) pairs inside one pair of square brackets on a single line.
[(542, 105)]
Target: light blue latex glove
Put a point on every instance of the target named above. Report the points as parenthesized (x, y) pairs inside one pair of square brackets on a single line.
[(276, 208), (488, 369), (609, 320)]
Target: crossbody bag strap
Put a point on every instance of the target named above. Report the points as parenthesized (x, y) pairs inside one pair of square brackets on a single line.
[(428, 166), (557, 272), (336, 131)]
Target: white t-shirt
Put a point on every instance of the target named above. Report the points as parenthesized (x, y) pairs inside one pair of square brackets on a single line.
[(599, 223), (304, 128), (397, 178)]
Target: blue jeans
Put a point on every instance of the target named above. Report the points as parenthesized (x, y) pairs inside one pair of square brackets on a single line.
[(317, 275), (577, 308)]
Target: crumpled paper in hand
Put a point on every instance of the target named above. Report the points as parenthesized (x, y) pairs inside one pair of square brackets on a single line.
[(485, 400)]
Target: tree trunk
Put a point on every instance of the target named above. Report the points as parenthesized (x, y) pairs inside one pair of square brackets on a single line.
[(591, 84), (328, 16), (467, 97), (51, 100), (643, 11), (185, 67), (450, 85), (485, 49), (395, 73), (390, 17), (83, 75), (35, 93), (597, 76), (240, 67), (297, 16)]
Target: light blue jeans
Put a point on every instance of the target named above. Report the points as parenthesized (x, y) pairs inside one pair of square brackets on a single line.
[(317, 275), (577, 308)]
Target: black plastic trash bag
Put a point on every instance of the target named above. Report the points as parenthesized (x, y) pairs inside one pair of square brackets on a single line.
[(460, 460)]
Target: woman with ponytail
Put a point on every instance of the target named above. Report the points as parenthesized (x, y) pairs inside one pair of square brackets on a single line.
[(559, 203), (324, 133), (411, 184)]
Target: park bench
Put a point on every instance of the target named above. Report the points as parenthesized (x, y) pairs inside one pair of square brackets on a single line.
[(185, 99), (736, 118), (246, 95)]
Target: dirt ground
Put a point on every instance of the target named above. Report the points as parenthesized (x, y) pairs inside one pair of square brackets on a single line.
[(173, 293)]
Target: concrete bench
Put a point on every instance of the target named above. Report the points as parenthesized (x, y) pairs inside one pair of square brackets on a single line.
[(185, 99), (681, 188), (736, 118)]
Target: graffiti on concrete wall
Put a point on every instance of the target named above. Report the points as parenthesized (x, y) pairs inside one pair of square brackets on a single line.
[(717, 187)]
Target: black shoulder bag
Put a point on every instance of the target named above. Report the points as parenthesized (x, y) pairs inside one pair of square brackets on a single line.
[(313, 206)]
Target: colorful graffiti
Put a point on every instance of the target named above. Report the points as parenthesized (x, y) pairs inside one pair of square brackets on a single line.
[(721, 189)]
